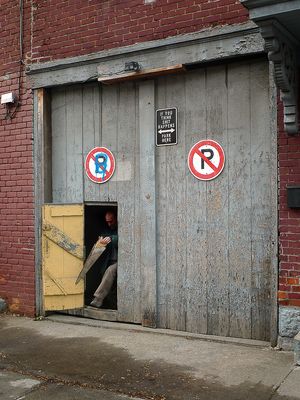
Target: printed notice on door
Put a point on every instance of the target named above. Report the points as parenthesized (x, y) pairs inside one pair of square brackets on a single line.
[(166, 126)]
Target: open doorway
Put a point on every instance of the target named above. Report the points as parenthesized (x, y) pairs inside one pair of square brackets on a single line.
[(95, 226)]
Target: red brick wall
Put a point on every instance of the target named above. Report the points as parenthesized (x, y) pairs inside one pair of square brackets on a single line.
[(289, 219), (76, 27), (16, 170)]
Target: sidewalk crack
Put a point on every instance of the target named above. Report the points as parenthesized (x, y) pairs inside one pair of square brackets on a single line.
[(277, 386)]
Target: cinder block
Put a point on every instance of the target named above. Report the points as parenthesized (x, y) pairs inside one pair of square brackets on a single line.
[(289, 321)]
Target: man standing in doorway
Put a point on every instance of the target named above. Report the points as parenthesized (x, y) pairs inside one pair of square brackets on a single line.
[(110, 260)]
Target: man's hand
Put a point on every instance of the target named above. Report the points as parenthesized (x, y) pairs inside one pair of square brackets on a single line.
[(104, 240)]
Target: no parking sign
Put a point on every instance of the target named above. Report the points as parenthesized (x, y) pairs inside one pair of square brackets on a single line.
[(100, 164), (206, 160)]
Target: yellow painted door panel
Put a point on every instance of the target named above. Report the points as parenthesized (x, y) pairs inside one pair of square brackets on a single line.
[(63, 255)]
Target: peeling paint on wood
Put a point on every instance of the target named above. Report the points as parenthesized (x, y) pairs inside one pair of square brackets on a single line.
[(62, 240), (62, 255)]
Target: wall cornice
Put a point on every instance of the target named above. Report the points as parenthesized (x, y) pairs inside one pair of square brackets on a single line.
[(277, 20)]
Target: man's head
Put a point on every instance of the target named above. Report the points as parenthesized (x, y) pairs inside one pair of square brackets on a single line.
[(111, 219)]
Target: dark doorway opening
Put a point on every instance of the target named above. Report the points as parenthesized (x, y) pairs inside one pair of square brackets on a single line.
[(95, 226)]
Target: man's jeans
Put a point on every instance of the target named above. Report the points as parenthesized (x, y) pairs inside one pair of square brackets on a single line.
[(106, 284)]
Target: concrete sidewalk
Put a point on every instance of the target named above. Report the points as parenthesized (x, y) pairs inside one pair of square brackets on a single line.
[(63, 359)]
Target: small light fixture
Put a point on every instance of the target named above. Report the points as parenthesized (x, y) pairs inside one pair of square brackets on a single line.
[(11, 103), (8, 98)]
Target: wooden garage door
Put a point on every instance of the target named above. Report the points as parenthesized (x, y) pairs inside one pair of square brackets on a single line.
[(217, 239), (215, 249)]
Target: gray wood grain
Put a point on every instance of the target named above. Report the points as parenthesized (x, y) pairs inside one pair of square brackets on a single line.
[(196, 214), (274, 207), (91, 133), (73, 158), (39, 149), (213, 290), (261, 213), (193, 255), (239, 200), (217, 208), (128, 276), (163, 292), (147, 203), (137, 312), (59, 146), (176, 208), (47, 145), (110, 99)]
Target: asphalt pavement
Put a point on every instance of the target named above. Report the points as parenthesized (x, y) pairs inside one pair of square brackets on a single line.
[(64, 358)]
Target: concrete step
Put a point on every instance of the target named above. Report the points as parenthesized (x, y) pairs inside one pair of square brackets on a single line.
[(297, 348)]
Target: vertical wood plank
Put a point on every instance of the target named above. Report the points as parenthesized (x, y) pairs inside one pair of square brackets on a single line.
[(128, 274), (176, 208), (137, 313), (97, 114), (163, 292), (196, 116), (45, 99), (59, 145), (74, 163), (261, 210), (147, 203), (41, 109), (217, 208), (274, 207), (91, 132), (109, 114), (239, 200)]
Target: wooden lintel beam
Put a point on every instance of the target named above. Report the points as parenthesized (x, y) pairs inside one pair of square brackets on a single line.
[(143, 74)]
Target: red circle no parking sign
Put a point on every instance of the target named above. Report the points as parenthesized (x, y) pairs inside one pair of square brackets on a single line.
[(206, 160), (100, 164)]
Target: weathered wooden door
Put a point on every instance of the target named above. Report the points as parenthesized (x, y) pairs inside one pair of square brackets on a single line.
[(62, 256), (198, 256), (84, 117), (217, 239)]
